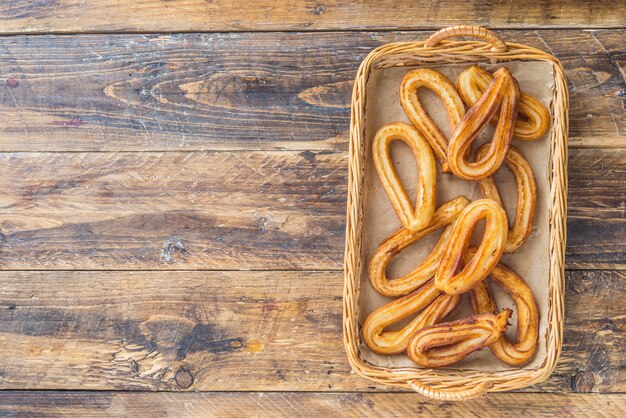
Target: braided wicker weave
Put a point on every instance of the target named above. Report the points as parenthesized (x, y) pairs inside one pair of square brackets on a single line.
[(455, 384)]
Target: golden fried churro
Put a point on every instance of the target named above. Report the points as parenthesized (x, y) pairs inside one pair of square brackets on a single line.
[(412, 218), (442, 87), (447, 275), (401, 239), (502, 92), (526, 196), (444, 344), (535, 122), (433, 304), (527, 316)]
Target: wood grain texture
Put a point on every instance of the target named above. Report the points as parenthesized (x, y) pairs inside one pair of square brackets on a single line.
[(119, 172), (63, 16), (596, 227), (233, 210), (285, 404), (245, 91), (176, 210), (263, 331)]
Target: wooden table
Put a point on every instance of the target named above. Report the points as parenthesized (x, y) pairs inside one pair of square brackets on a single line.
[(173, 190)]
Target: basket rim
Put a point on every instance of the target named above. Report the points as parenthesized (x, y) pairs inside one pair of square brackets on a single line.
[(391, 55)]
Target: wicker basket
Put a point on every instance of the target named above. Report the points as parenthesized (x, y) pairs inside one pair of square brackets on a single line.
[(455, 384)]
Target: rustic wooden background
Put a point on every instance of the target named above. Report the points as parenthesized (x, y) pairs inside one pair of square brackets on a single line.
[(173, 188)]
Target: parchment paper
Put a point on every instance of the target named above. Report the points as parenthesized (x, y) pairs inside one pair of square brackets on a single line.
[(531, 261)]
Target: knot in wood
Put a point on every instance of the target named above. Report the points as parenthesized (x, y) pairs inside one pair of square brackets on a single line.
[(183, 378)]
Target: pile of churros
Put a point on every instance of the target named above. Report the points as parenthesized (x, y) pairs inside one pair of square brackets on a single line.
[(433, 289)]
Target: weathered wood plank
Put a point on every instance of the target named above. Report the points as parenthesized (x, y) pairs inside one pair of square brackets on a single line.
[(240, 331), (199, 210), (199, 330), (63, 16), (596, 227), (233, 210), (594, 313), (244, 91), (286, 404)]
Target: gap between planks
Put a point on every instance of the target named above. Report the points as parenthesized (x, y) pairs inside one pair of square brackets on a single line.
[(573, 143), (303, 404), (300, 30), (329, 15)]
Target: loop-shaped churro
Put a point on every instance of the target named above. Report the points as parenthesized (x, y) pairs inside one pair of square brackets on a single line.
[(535, 122), (412, 218), (442, 87), (526, 196), (447, 277), (443, 344), (502, 92), (433, 304), (401, 239), (527, 315)]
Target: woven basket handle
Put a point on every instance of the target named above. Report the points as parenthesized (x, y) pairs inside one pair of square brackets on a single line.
[(466, 30), (452, 394)]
